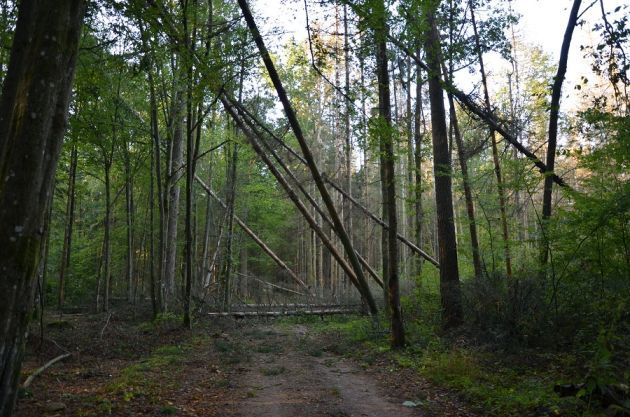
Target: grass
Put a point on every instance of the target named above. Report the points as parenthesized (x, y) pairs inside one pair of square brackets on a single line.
[(233, 352), (134, 380), (270, 348), (488, 381), (273, 371)]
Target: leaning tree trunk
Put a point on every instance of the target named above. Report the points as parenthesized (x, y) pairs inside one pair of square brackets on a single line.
[(495, 151), (308, 156), (33, 113), (449, 272), (553, 131)]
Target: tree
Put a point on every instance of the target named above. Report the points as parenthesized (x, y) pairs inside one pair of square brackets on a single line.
[(452, 314), (387, 159), (556, 91), (33, 112)]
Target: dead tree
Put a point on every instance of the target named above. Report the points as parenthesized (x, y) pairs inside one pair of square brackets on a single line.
[(251, 137), (308, 156)]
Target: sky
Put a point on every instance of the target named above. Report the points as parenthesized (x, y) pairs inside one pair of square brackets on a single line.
[(542, 22)]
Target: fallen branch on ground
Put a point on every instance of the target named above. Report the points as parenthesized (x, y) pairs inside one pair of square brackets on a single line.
[(47, 365)]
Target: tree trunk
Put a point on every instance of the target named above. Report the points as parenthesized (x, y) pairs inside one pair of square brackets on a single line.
[(452, 314), (553, 131), (129, 213), (495, 151), (470, 206), (417, 137), (189, 42), (107, 241), (157, 160), (468, 197), (308, 155), (67, 237), (388, 176), (172, 187), (231, 194), (325, 239), (155, 304), (33, 111)]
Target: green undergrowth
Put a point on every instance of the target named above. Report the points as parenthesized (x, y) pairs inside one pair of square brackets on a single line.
[(152, 375), (161, 322), (493, 383)]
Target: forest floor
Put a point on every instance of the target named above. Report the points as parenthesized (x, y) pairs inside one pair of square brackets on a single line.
[(122, 367)]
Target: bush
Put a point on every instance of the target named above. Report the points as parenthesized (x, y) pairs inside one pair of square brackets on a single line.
[(508, 311)]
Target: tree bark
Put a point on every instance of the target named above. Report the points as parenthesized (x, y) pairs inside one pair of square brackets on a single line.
[(417, 156), (297, 130), (67, 237), (452, 314), (129, 214), (33, 112), (495, 152), (556, 92), (251, 137), (388, 176), (468, 197), (173, 190), (487, 117)]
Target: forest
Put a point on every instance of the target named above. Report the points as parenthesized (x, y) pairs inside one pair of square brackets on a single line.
[(314, 208)]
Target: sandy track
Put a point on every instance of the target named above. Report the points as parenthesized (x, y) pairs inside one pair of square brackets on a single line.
[(283, 379)]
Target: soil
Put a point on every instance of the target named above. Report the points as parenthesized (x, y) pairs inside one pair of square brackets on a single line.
[(227, 368), (293, 381)]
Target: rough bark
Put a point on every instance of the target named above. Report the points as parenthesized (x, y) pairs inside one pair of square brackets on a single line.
[(173, 191), (33, 112), (452, 314), (388, 176)]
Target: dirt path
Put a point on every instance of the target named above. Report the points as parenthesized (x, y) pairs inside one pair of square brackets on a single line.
[(286, 377), (225, 369)]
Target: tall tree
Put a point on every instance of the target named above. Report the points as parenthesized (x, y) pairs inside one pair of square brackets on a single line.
[(554, 114), (67, 237), (33, 113), (386, 143), (495, 151), (452, 314)]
